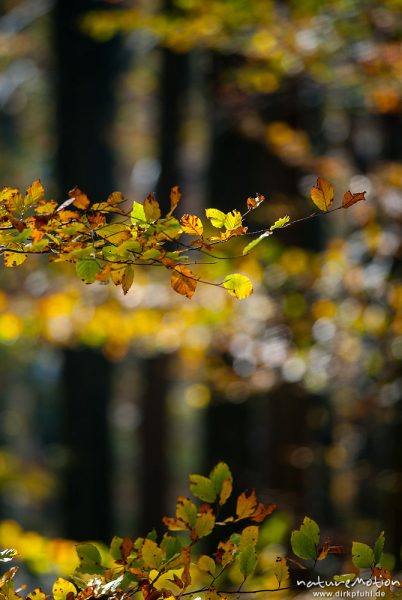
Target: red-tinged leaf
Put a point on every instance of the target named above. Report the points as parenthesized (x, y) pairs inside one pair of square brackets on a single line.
[(175, 524), (175, 197), (246, 505), (349, 199), (151, 208), (126, 547), (184, 281), (191, 225), (261, 512), (254, 202), (186, 559), (381, 573), (322, 194), (177, 581), (80, 199), (19, 225), (96, 219)]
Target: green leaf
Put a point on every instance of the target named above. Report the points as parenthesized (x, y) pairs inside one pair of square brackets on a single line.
[(305, 540), (362, 555), (138, 216), (87, 269), (282, 222), (247, 561), (7, 555), (61, 589), (281, 570), (217, 217), (345, 577), (186, 510), (115, 547), (303, 546), (238, 285), (203, 488), (206, 564), (379, 547), (90, 558), (249, 536), (218, 475), (171, 546), (204, 524), (255, 242)]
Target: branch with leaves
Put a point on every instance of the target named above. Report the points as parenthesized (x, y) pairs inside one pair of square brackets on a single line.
[(107, 240), (172, 567)]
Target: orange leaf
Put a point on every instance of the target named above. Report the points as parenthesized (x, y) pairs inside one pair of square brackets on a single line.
[(183, 281), (246, 505), (192, 225), (322, 194), (254, 202), (381, 573), (349, 199), (262, 511), (175, 197), (80, 200)]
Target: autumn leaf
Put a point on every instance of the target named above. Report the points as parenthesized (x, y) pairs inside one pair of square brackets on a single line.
[(282, 222), (225, 552), (175, 197), (233, 220), (115, 233), (191, 225), (206, 564), (34, 193), (204, 523), (62, 589), (14, 259), (246, 504), (262, 511), (203, 488), (349, 199), (217, 217), (254, 202), (281, 570), (87, 269), (80, 199), (151, 208), (238, 285), (183, 281), (152, 555), (322, 194)]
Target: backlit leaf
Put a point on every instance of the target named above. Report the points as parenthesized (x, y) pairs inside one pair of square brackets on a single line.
[(379, 548), (7, 555), (255, 242), (222, 480), (80, 199), (254, 202), (362, 555), (322, 194), (115, 233), (233, 220), (186, 510), (282, 222), (247, 560), (349, 199), (191, 225), (63, 589), (152, 555), (281, 570), (246, 505), (151, 208), (206, 564), (138, 216), (305, 540), (34, 193), (183, 281), (14, 259), (87, 269), (217, 217), (238, 285), (203, 488)]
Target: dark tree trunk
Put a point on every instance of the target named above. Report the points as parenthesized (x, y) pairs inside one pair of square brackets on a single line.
[(86, 73)]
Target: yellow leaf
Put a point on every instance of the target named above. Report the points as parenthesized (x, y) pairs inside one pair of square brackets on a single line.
[(206, 564), (249, 536), (233, 220), (152, 555), (81, 200), (62, 588), (151, 208), (205, 523), (349, 199), (226, 491), (192, 225), (238, 285), (35, 192), (246, 505), (183, 281), (322, 194), (115, 233), (14, 259)]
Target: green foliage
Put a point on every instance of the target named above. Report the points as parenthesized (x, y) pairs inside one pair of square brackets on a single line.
[(171, 567)]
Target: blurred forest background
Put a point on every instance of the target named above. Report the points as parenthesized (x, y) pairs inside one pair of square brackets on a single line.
[(108, 401)]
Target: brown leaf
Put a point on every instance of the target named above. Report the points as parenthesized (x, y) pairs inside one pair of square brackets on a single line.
[(225, 553), (80, 199), (184, 281), (192, 225), (381, 573), (262, 511), (175, 197), (126, 547), (349, 199)]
